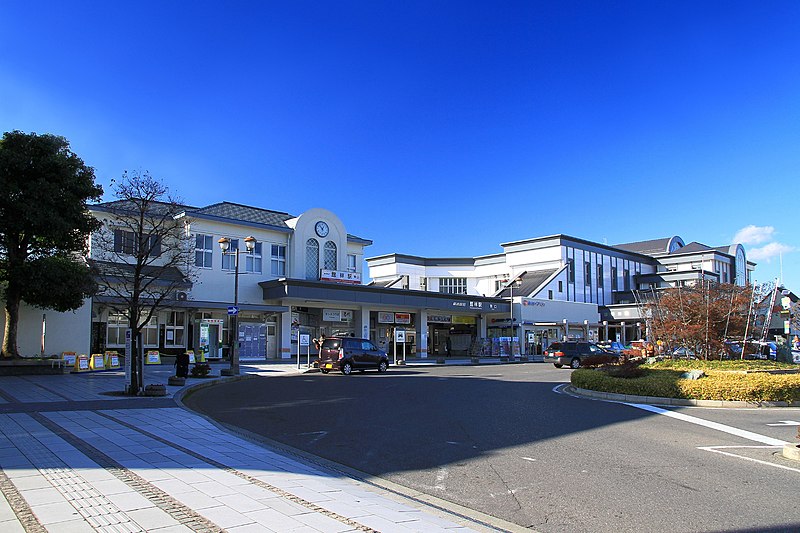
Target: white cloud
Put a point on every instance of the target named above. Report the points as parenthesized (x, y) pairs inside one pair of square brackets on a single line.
[(754, 235), (768, 252)]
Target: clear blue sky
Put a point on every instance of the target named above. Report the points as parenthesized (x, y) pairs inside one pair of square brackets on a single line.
[(436, 128)]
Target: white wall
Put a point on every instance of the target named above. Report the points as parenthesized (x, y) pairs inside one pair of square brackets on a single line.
[(66, 332)]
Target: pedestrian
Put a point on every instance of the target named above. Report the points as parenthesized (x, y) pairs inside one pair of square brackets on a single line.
[(182, 365)]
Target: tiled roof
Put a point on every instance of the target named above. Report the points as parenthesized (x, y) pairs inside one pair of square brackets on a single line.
[(158, 208), (529, 283), (245, 213), (696, 247), (654, 246)]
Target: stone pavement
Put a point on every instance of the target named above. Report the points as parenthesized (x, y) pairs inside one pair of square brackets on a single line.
[(74, 458)]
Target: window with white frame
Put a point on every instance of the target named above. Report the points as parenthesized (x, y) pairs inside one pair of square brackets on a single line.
[(203, 250), (312, 259), (330, 259), (252, 260), (351, 263), (115, 331), (453, 285), (229, 257), (278, 260), (174, 330)]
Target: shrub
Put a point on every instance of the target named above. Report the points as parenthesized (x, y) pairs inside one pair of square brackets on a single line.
[(717, 385), (627, 370), (201, 370), (595, 361)]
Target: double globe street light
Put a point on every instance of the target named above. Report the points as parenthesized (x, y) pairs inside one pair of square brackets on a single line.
[(233, 333)]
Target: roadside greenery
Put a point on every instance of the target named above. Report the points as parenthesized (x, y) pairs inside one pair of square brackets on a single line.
[(724, 380)]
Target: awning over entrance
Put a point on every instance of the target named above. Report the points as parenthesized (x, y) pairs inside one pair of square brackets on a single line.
[(380, 296)]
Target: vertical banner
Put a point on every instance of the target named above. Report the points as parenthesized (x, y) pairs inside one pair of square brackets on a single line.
[(128, 360)]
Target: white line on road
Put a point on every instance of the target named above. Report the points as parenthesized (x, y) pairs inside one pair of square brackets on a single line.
[(716, 449), (786, 423), (711, 425)]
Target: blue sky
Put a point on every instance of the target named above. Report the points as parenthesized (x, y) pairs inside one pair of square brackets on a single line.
[(436, 128)]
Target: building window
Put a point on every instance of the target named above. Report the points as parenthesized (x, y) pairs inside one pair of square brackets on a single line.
[(118, 323), (124, 242), (613, 278), (229, 257), (278, 260), (312, 259), (549, 295), (252, 260), (571, 270), (115, 331), (587, 273), (351, 263), (626, 279), (330, 259), (203, 251), (453, 285), (600, 276), (174, 336), (560, 286)]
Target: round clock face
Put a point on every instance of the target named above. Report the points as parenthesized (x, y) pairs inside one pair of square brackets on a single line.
[(321, 228)]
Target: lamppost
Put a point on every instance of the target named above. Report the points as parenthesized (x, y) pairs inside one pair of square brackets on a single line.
[(233, 333)]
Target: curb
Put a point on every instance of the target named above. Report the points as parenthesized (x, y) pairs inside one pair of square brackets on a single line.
[(791, 451), (682, 402)]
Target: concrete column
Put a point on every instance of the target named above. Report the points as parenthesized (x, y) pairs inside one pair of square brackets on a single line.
[(362, 325), (421, 327), (285, 338)]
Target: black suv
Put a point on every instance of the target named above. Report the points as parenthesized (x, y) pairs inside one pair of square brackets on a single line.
[(349, 353), (571, 352)]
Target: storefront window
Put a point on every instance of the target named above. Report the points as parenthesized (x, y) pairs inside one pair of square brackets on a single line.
[(118, 323)]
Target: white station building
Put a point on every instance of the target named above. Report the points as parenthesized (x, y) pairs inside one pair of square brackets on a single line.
[(304, 276)]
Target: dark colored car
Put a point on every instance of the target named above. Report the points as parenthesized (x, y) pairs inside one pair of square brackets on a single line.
[(571, 352), (350, 353)]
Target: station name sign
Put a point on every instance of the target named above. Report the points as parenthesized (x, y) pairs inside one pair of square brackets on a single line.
[(348, 278)]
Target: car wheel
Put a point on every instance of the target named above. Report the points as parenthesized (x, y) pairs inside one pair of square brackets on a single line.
[(347, 368), (383, 366), (557, 365), (575, 363), (324, 371)]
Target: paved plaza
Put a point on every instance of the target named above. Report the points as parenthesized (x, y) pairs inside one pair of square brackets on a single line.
[(76, 457)]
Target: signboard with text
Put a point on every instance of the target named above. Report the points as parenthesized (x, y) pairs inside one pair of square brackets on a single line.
[(349, 278)]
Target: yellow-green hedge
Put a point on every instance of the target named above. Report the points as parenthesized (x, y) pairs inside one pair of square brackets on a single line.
[(717, 385)]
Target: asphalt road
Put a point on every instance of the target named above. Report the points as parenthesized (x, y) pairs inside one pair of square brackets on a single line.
[(503, 440)]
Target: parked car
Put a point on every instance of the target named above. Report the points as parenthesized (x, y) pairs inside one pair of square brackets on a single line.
[(683, 351), (350, 353), (571, 352), (616, 347)]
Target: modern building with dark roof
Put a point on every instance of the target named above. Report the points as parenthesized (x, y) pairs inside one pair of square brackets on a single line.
[(563, 286)]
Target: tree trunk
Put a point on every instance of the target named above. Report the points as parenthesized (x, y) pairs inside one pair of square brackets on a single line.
[(13, 300)]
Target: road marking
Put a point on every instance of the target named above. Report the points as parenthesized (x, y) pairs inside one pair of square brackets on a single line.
[(786, 423), (319, 434), (711, 425), (529, 459), (718, 449)]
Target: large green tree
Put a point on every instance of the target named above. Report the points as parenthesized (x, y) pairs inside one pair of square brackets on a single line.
[(44, 227)]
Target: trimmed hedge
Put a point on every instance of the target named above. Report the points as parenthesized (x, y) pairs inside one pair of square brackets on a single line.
[(717, 385)]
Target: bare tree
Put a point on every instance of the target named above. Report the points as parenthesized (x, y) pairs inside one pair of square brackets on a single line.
[(143, 255)]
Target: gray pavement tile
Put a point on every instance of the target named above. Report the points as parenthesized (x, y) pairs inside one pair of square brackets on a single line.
[(41, 496), (320, 522), (172, 529), (173, 486), (111, 486), (11, 526), (31, 482), (284, 506), (214, 489), (152, 518), (382, 524), (250, 528), (53, 513), (275, 520), (196, 500), (74, 526), (241, 503), (130, 501), (225, 517)]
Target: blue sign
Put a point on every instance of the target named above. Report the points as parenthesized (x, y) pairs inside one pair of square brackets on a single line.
[(233, 310)]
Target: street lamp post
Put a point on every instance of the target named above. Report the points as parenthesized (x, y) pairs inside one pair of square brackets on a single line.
[(233, 333), (514, 281)]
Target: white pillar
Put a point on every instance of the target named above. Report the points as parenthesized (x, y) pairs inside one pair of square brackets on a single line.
[(421, 326), (363, 325), (285, 350)]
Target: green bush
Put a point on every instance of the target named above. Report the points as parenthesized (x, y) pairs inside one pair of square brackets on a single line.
[(730, 364), (717, 385)]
